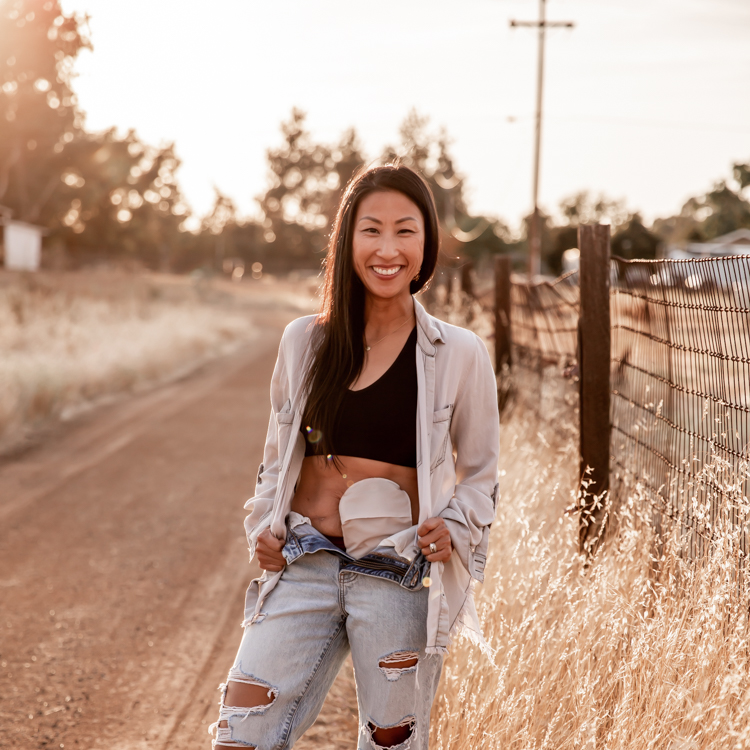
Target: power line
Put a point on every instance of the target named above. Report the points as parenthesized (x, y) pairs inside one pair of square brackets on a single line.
[(634, 122)]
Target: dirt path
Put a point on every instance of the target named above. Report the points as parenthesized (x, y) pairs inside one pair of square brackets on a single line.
[(123, 565)]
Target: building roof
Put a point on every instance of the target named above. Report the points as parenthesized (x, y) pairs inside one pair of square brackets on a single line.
[(733, 243)]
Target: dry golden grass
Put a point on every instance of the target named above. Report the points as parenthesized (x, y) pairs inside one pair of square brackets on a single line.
[(70, 339), (631, 652)]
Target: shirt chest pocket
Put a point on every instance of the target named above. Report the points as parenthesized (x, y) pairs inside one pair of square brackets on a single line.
[(284, 424), (441, 422)]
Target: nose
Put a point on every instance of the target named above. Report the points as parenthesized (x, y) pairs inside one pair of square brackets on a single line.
[(389, 247)]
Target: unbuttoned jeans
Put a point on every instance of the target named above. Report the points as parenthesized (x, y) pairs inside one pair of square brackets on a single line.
[(325, 605)]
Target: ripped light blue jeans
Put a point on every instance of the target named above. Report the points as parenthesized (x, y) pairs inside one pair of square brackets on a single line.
[(325, 605)]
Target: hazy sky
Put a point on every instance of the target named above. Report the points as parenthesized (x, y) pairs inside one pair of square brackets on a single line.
[(647, 100)]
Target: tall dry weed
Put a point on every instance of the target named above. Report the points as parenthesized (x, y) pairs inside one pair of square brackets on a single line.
[(643, 648), (67, 342)]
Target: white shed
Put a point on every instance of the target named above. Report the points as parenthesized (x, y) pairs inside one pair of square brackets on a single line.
[(23, 244)]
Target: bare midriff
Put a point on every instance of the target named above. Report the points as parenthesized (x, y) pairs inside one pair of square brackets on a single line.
[(321, 484)]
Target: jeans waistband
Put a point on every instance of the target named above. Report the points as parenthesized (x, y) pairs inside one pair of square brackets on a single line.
[(410, 574)]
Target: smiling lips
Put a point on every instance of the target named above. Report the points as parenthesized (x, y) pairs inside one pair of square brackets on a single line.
[(386, 270)]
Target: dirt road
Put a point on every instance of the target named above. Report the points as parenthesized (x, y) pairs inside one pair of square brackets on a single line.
[(123, 566)]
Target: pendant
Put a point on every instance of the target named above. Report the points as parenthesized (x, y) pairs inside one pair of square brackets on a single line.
[(367, 348)]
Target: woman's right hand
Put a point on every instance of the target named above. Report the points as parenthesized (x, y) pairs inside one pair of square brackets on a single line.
[(268, 551)]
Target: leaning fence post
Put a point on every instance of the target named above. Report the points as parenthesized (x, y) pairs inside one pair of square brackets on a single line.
[(502, 313), (594, 368)]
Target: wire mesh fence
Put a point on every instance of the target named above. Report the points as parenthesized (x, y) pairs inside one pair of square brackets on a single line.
[(679, 379), (680, 385), (544, 321)]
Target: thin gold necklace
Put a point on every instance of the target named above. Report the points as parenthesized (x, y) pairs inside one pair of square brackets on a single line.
[(367, 348)]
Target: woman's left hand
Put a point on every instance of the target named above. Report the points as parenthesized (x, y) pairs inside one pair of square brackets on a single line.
[(434, 531)]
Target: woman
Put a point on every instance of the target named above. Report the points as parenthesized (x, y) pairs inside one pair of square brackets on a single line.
[(376, 491)]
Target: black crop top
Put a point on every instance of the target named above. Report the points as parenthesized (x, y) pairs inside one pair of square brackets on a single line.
[(380, 421)]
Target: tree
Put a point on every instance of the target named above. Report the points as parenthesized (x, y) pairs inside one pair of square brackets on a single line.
[(464, 235), (224, 236), (39, 116), (98, 193), (306, 179), (741, 174), (634, 240), (719, 211), (219, 227), (585, 208), (580, 208), (120, 197)]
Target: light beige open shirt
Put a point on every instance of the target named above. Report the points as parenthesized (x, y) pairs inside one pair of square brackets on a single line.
[(457, 417)]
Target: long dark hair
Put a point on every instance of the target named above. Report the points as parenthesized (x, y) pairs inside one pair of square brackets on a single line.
[(339, 339)]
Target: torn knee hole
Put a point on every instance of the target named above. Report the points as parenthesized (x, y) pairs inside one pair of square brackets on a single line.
[(247, 693), (225, 738), (252, 695), (232, 743), (242, 695), (392, 735), (398, 663)]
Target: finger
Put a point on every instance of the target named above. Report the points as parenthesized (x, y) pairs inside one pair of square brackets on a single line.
[(441, 547), (272, 568), (435, 535), (441, 556), (270, 541), (276, 544), (266, 553), (273, 563), (429, 525)]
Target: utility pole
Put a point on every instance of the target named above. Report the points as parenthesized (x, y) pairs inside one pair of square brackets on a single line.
[(535, 234)]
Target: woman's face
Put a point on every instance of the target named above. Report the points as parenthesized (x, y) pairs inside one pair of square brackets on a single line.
[(387, 243)]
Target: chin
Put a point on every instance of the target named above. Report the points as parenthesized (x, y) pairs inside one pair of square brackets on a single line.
[(385, 291)]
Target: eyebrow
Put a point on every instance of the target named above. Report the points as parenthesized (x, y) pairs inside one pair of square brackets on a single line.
[(377, 221)]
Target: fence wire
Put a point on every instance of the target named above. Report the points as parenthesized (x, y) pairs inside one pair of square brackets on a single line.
[(680, 384), (544, 321), (679, 381)]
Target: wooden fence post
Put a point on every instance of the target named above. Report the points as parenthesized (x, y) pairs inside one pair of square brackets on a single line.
[(467, 285), (502, 314), (503, 338), (594, 368)]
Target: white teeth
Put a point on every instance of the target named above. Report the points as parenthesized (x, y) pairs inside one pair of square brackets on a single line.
[(386, 271)]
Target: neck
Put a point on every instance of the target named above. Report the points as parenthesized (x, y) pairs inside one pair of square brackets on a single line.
[(381, 314)]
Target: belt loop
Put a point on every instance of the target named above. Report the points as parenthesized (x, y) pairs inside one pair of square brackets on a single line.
[(292, 548)]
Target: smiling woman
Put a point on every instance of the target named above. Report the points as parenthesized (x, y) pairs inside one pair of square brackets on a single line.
[(376, 491), (387, 243)]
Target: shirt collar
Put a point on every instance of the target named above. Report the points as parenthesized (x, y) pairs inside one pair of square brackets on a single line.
[(428, 330)]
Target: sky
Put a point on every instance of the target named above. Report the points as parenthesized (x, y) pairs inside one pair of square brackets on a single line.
[(644, 100)]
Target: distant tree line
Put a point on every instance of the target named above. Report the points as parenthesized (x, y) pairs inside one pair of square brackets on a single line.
[(723, 209), (105, 196)]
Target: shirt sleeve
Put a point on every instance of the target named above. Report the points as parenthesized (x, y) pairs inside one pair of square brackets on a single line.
[(261, 504), (475, 435)]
